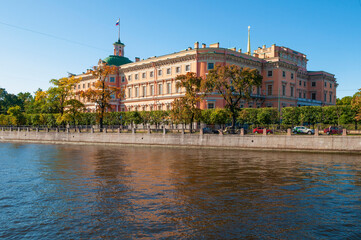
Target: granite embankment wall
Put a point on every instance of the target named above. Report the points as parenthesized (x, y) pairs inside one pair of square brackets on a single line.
[(279, 142)]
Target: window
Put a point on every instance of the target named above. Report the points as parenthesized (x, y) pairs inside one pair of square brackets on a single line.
[(144, 75), (112, 79), (291, 91), (129, 92), (168, 71), (177, 69), (313, 84), (151, 90), (283, 74), (159, 72), (304, 83), (88, 85), (160, 89), (258, 90), (136, 92), (83, 85), (188, 68), (210, 105), (324, 97), (176, 89), (130, 78), (292, 76), (330, 85), (304, 95), (79, 86), (168, 107), (283, 90), (144, 91), (210, 66), (313, 96), (300, 95), (269, 90), (151, 74), (330, 97), (300, 83), (169, 88), (270, 73), (136, 77), (151, 108), (123, 79)]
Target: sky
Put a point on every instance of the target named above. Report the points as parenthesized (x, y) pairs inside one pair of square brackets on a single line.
[(41, 40)]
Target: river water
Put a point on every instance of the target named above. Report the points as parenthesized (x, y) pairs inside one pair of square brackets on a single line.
[(113, 192)]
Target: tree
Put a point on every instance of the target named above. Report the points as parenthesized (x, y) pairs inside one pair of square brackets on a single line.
[(310, 115), (290, 115), (267, 116), (233, 83), (8, 100), (356, 106), (58, 95), (344, 101), (220, 116), (102, 93), (16, 116), (73, 108), (185, 109)]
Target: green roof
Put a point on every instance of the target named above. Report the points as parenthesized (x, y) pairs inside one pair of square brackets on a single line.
[(119, 42), (116, 60)]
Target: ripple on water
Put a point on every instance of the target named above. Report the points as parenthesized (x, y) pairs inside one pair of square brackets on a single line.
[(76, 192)]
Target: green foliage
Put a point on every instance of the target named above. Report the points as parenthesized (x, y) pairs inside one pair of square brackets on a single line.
[(310, 115), (344, 101), (291, 116), (206, 116), (220, 116), (16, 116), (267, 115), (248, 116)]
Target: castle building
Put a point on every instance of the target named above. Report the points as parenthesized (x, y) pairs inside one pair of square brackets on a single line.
[(150, 84)]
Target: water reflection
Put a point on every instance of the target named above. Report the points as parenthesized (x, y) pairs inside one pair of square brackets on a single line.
[(70, 191)]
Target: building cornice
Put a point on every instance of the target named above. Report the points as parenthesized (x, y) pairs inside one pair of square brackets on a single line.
[(158, 63)]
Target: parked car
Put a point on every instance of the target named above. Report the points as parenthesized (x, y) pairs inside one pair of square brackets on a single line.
[(332, 130), (209, 130), (303, 130), (260, 130), (235, 130)]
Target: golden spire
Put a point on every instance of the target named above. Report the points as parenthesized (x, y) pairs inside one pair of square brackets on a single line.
[(249, 41)]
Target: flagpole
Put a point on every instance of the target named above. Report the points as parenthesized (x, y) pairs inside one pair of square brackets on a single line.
[(119, 29)]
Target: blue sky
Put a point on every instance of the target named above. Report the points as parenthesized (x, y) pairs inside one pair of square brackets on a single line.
[(327, 31)]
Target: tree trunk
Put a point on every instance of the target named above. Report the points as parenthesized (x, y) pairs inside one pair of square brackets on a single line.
[(233, 118), (191, 125), (101, 120)]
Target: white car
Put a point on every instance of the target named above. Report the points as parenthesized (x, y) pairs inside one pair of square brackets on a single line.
[(303, 129)]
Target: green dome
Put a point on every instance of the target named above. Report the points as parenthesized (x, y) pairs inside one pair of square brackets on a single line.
[(116, 60)]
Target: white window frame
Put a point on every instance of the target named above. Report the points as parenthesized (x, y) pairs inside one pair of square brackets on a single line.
[(188, 68)]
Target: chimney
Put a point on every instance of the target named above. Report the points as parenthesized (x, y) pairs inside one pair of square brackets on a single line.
[(240, 50), (137, 59), (189, 48), (264, 46), (196, 45), (214, 45), (203, 45), (233, 49)]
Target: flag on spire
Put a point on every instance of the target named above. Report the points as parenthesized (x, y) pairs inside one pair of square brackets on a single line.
[(117, 23)]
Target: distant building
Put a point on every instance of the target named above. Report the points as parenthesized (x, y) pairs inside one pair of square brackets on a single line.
[(150, 83)]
